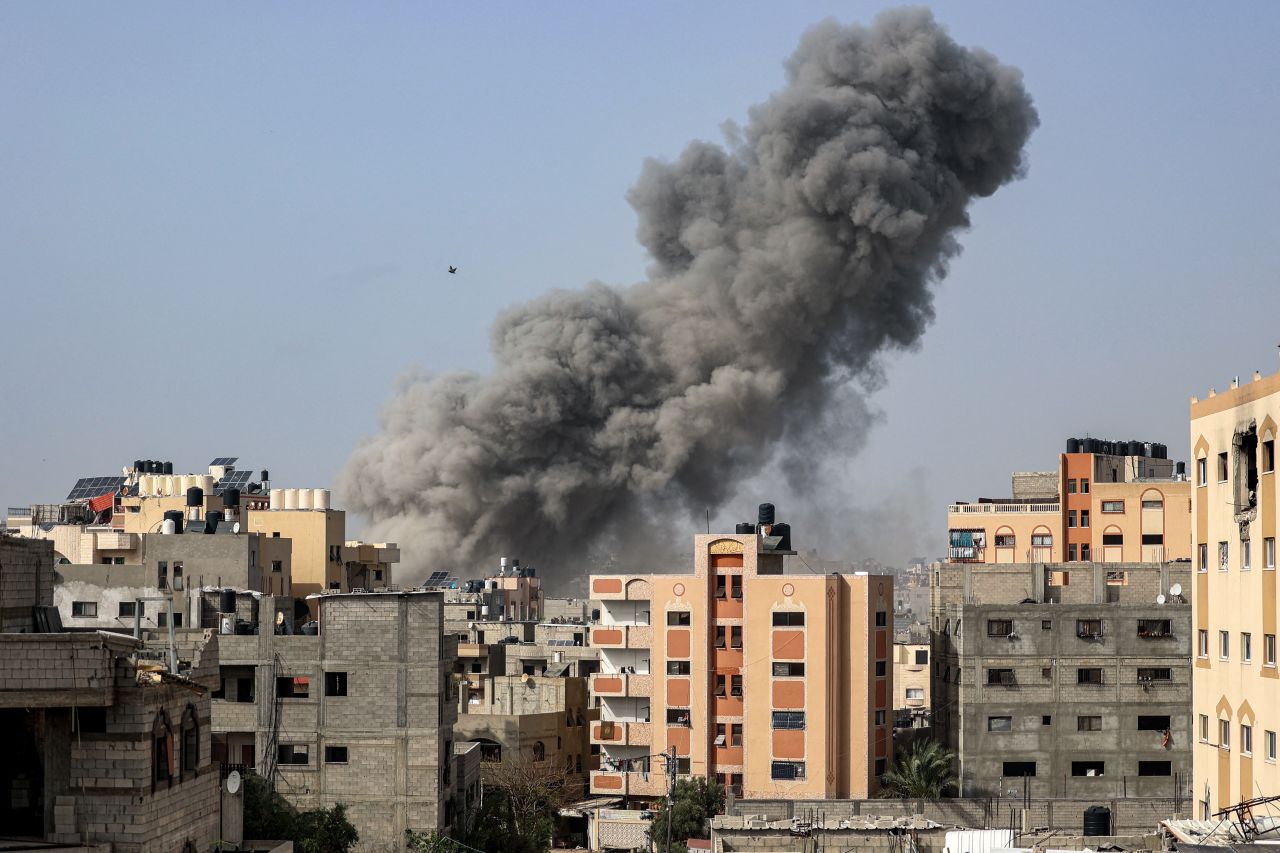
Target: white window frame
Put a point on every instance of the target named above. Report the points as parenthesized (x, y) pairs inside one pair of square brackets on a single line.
[(1269, 552), (1269, 650), (1224, 645), (1204, 728), (1202, 643), (1246, 739), (1269, 742), (1246, 647), (1224, 734)]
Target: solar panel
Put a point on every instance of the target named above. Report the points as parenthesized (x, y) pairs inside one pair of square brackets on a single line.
[(225, 460), (236, 479), (437, 578), (92, 487)]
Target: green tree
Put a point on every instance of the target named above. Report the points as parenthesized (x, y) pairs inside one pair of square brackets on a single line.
[(522, 801), (694, 802), (267, 815), (923, 772)]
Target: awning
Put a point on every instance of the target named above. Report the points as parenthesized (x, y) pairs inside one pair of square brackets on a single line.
[(579, 809), (104, 501)]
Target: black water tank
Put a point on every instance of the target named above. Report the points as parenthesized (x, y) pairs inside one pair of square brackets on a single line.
[(137, 465), (766, 514), (195, 496), (227, 601), (1181, 468), (265, 476), (153, 466), (231, 497), (167, 468), (784, 530), (744, 527), (1073, 445), (1161, 451), (211, 521), (1097, 821), (174, 515)]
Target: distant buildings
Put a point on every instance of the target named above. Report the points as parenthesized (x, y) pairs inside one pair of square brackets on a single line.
[(911, 679), (1108, 501), (735, 653), (1237, 685)]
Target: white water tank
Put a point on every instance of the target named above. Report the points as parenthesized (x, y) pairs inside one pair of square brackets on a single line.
[(167, 527), (304, 498), (228, 624), (290, 498), (169, 485), (277, 498), (186, 481), (205, 482), (320, 499), (144, 484)]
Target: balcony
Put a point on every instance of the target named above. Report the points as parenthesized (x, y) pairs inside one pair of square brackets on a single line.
[(622, 636), (621, 685), (1004, 508), (622, 733), (630, 784), (621, 588), (114, 540)]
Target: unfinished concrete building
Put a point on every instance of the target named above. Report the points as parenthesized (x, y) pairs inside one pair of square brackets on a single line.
[(360, 712), (104, 745), (1064, 680)]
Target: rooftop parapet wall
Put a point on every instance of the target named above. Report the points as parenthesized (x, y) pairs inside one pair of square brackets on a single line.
[(60, 670)]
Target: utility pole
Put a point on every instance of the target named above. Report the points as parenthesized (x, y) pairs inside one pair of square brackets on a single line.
[(671, 791)]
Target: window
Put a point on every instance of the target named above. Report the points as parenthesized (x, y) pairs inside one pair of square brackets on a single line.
[(162, 574), (788, 670), (293, 753), (999, 627), (735, 586), (735, 685), (1046, 720), (722, 737), (1202, 643), (1084, 552), (787, 770), (1246, 646), (882, 669), (677, 716), (1088, 629), (1016, 769), (1154, 673), (1046, 624), (1269, 739), (1153, 723), (1084, 518), (277, 566), (735, 734), (788, 618), (1112, 539), (721, 685), (1269, 649), (1153, 539), (788, 719), (1202, 471), (335, 684), (1071, 487), (293, 686), (162, 619), (1269, 553), (1071, 518), (922, 657), (1088, 724), (1000, 676), (1202, 552), (735, 636), (1005, 540), (84, 609), (678, 617), (1042, 540), (129, 608), (1224, 734), (678, 667), (190, 741), (879, 718), (915, 693), (1087, 768), (1246, 555), (999, 724), (1246, 739), (1071, 552), (1222, 467), (1154, 628), (1113, 506), (1224, 645), (722, 586), (1268, 455), (721, 636), (1089, 675), (335, 755), (1084, 486), (1204, 728), (882, 618), (1155, 768), (161, 752)]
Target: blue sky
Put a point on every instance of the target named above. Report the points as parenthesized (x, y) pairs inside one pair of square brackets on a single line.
[(224, 227)]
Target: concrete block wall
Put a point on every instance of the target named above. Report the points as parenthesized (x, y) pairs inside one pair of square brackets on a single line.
[(26, 580)]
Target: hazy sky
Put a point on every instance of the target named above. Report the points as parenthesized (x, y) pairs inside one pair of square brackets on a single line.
[(224, 228)]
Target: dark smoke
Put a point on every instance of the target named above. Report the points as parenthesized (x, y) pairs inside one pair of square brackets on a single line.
[(783, 266)]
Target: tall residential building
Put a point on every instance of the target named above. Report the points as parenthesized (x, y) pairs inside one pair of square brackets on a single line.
[(911, 679), (1108, 501), (737, 653), (1237, 687), (1064, 680)]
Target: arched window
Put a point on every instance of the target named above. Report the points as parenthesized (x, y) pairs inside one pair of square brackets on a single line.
[(161, 752), (190, 742), (539, 751)]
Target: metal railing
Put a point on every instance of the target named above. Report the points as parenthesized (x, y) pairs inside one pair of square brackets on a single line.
[(1000, 508)]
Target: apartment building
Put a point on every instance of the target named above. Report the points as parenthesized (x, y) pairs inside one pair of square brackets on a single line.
[(1064, 680), (1236, 685), (911, 679), (105, 747), (360, 712), (1108, 501), (737, 653)]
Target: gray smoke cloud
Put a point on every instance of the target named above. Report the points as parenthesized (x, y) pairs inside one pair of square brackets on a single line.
[(784, 264)]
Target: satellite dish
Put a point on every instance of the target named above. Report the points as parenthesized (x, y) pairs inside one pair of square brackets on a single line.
[(525, 677), (233, 781), (1160, 598), (1176, 589), (279, 617), (235, 528)]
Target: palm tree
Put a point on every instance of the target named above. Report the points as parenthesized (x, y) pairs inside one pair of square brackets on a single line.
[(924, 772)]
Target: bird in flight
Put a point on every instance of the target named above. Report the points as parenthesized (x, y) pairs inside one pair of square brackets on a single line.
[(453, 269)]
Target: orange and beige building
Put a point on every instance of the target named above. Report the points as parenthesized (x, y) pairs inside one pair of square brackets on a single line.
[(776, 685), (1236, 695), (1107, 502)]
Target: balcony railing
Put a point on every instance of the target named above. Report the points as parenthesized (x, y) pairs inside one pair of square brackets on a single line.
[(1003, 508), (622, 684)]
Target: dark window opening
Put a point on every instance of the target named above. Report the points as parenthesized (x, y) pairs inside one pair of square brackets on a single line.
[(1089, 675), (788, 618), (335, 684), (678, 667), (678, 716), (1154, 673), (999, 627), (1153, 723), (1017, 769), (89, 720), (1155, 768), (293, 686), (291, 753), (1153, 539), (1000, 676), (1087, 768), (678, 617), (882, 619), (335, 755), (922, 657), (1155, 628), (786, 670)]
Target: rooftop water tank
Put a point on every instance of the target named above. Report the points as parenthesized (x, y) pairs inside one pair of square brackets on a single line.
[(1097, 821), (277, 499), (320, 499), (167, 469), (195, 496), (766, 514), (304, 498), (167, 527), (290, 498)]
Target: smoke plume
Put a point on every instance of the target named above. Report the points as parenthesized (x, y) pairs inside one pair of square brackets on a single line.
[(784, 264)]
